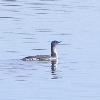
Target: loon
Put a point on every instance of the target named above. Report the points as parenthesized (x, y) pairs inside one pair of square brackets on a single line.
[(53, 57)]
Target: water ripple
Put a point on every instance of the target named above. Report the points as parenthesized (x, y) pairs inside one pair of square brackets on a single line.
[(13, 5), (63, 34), (6, 17), (11, 51), (39, 49), (10, 0)]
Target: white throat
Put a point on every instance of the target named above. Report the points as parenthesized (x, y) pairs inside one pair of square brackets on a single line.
[(55, 51)]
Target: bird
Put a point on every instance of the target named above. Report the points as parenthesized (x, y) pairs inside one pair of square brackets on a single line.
[(52, 57)]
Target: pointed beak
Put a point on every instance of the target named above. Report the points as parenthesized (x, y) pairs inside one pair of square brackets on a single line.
[(59, 41)]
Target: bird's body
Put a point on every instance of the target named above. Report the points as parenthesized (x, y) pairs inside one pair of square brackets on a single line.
[(53, 57), (37, 58)]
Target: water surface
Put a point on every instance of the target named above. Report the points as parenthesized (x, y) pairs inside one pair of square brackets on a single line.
[(28, 27)]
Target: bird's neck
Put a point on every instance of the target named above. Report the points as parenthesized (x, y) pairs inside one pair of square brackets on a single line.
[(54, 52)]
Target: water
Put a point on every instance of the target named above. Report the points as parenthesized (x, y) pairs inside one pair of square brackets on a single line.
[(28, 27)]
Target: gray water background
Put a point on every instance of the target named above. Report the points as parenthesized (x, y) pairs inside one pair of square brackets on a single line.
[(27, 27)]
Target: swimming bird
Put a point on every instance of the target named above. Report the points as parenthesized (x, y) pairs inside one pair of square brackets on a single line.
[(52, 57)]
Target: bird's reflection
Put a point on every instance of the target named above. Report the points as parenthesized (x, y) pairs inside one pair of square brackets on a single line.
[(53, 66), (54, 69)]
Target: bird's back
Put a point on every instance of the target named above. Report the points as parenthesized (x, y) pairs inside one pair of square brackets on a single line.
[(37, 58)]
